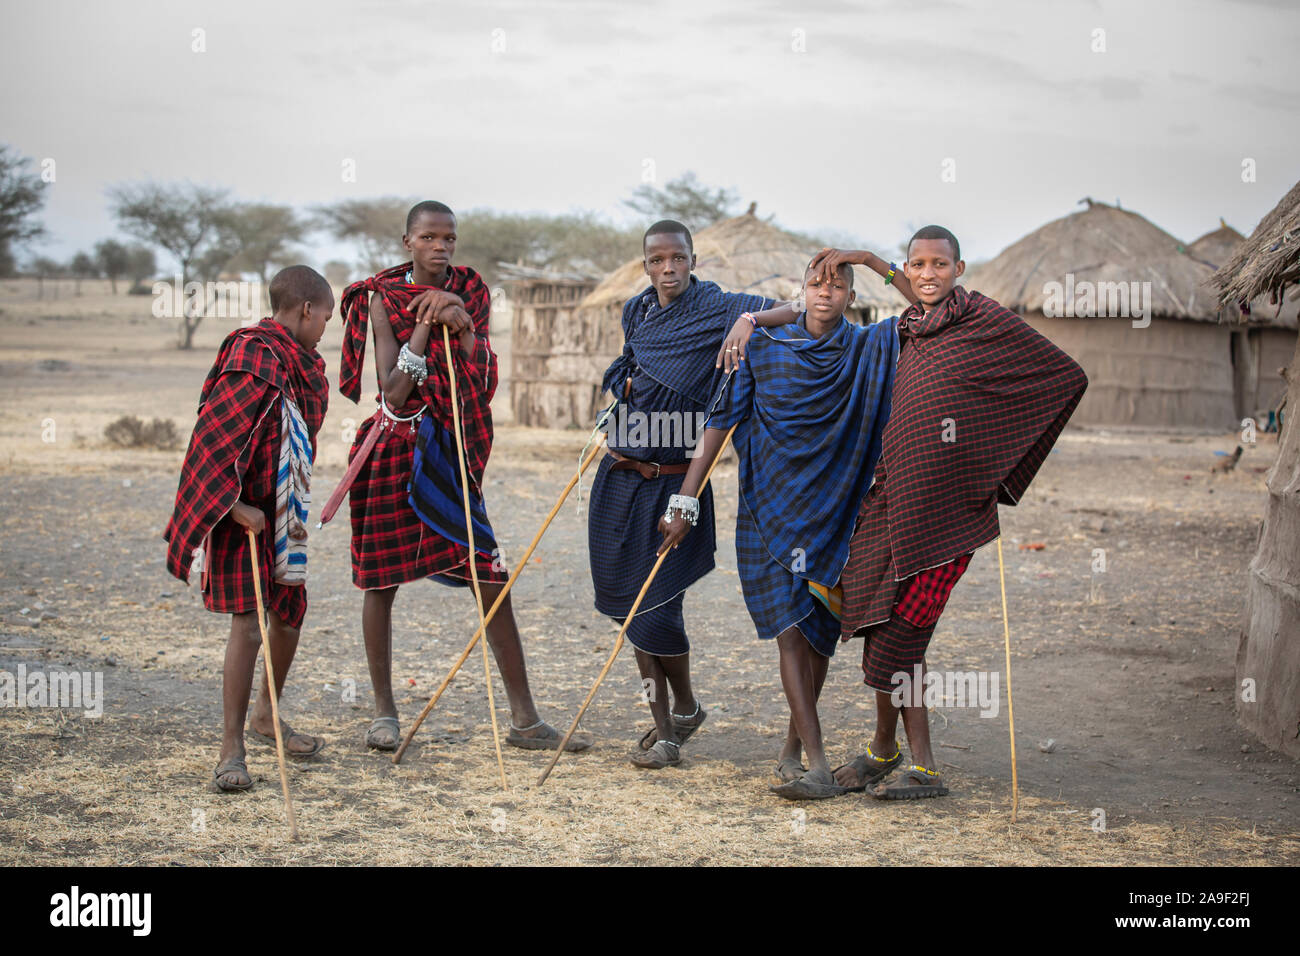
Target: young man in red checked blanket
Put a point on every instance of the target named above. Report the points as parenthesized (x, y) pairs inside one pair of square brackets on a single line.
[(408, 521), (248, 468), (979, 400)]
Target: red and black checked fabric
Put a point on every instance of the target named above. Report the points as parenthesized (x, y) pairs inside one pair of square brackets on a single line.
[(229, 585), (975, 373), (476, 377), (923, 596), (899, 644), (1008, 393), (234, 452), (892, 648), (390, 544)]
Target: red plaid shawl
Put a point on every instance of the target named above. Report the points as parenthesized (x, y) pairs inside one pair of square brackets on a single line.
[(1008, 391), (253, 368), (476, 378)]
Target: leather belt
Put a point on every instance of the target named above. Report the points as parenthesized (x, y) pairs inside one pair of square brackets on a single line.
[(647, 469)]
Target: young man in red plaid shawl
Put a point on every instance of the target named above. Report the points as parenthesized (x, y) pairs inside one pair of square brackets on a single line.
[(979, 399), (391, 545), (248, 469)]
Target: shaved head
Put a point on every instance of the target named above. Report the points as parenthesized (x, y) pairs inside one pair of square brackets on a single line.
[(936, 232), (428, 205), (295, 285), (669, 227)]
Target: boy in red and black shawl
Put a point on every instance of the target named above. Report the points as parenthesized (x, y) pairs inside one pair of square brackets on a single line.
[(264, 377), (391, 545), (979, 400)]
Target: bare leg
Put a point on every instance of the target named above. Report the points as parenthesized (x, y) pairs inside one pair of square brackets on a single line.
[(236, 684), (677, 669), (793, 748), (377, 631), (503, 638), (284, 644), (652, 669), (799, 681)]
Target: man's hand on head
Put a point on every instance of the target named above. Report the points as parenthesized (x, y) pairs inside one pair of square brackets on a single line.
[(827, 262)]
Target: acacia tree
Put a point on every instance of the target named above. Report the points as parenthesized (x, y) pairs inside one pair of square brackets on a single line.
[(685, 199), (183, 219), (262, 236), (22, 194), (141, 264), (374, 225), (113, 259), (81, 266)]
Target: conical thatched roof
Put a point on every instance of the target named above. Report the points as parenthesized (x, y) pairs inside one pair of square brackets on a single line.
[(746, 254), (1270, 259), (1099, 244), (1215, 248)]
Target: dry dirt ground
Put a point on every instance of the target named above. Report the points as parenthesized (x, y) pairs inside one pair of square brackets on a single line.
[(1129, 671)]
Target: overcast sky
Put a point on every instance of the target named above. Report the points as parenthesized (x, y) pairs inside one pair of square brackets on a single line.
[(832, 115)]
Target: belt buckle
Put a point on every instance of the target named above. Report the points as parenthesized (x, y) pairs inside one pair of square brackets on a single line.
[(656, 464)]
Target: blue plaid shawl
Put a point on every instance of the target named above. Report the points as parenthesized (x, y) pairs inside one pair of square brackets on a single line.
[(678, 345), (811, 413)]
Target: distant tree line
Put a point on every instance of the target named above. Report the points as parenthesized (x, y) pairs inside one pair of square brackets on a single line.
[(210, 234)]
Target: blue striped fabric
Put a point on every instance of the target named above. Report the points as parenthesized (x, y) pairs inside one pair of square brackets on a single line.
[(778, 599), (292, 487), (810, 414), (436, 493), (678, 345)]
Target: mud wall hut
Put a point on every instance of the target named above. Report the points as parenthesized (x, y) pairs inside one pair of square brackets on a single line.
[(1263, 336), (1268, 649), (1085, 281), (550, 356)]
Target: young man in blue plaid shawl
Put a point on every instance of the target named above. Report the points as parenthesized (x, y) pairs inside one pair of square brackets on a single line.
[(809, 406), (667, 381)]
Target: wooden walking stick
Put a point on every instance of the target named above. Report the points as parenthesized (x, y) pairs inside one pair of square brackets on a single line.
[(473, 564), (270, 686), (618, 643), (464, 655), (1011, 715)]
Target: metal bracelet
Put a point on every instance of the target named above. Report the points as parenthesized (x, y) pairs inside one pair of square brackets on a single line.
[(412, 365), (687, 507)]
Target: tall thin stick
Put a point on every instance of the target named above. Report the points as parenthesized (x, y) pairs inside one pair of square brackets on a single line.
[(473, 563), (618, 643), (270, 686), (1011, 714), (464, 655)]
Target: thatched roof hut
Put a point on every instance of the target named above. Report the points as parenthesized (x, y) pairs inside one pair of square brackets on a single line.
[(1147, 329), (1268, 652), (1214, 248), (1100, 244), (1263, 335), (559, 359), (1269, 261)]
